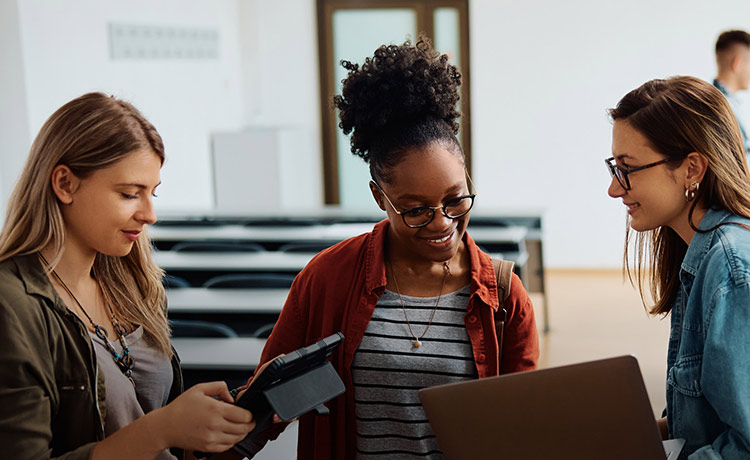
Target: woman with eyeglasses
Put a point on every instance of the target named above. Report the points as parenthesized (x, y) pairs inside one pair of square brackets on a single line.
[(415, 298), (680, 169), (87, 371)]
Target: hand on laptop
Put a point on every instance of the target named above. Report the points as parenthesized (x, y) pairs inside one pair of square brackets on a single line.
[(663, 429)]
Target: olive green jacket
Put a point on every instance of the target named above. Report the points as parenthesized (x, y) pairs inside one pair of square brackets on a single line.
[(51, 393)]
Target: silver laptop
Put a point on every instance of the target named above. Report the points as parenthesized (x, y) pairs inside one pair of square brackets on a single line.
[(594, 410)]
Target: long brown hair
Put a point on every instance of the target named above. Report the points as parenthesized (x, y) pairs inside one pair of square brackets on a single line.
[(678, 116), (89, 133)]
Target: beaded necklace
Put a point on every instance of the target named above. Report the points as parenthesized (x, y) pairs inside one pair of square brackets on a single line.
[(124, 360)]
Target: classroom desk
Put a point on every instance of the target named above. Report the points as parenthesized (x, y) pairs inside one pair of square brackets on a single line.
[(312, 233), (515, 235), (269, 261), (226, 300), (265, 261), (239, 353), (512, 234), (236, 232)]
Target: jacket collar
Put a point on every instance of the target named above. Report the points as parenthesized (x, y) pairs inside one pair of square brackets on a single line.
[(36, 282), (375, 279), (701, 242), (720, 86), (483, 278)]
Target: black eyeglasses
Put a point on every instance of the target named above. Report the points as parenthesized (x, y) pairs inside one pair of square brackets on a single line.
[(622, 174), (423, 215)]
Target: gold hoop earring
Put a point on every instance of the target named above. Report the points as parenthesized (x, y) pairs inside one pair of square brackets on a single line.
[(691, 191)]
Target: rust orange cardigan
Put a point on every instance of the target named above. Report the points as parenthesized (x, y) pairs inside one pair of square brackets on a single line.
[(338, 290)]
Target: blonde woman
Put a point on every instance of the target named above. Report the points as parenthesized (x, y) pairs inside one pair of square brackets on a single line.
[(86, 366), (679, 167)]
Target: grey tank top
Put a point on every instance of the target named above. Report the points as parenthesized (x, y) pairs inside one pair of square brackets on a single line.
[(153, 379)]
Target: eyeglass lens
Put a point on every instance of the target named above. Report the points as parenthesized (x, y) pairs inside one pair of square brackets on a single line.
[(618, 173), (452, 209)]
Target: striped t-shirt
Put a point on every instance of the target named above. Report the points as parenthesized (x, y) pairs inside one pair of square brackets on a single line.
[(388, 371)]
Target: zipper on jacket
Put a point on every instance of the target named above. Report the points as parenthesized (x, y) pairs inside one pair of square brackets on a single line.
[(73, 387)]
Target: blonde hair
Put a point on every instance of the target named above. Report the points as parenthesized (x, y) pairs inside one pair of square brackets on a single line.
[(89, 133), (678, 116)]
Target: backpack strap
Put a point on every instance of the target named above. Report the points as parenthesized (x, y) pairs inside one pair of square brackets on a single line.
[(504, 272)]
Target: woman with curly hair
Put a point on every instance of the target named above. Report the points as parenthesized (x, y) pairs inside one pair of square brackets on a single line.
[(416, 298)]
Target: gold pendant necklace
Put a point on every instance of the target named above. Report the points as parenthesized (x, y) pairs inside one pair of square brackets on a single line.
[(417, 342)]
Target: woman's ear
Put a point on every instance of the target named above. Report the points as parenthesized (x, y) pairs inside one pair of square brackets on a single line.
[(64, 183), (377, 195), (697, 165)]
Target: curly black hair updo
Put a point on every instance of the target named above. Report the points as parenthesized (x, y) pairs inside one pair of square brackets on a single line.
[(404, 97)]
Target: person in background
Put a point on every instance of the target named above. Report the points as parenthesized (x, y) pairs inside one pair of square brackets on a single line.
[(679, 167), (733, 63), (86, 366), (416, 299)]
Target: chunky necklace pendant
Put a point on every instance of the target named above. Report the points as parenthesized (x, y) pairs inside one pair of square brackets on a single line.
[(100, 332), (123, 360), (417, 343)]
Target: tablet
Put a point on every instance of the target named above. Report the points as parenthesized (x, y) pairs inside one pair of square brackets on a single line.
[(294, 384), (290, 386)]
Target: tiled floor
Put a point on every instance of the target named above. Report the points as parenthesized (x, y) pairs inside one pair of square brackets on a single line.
[(595, 314)]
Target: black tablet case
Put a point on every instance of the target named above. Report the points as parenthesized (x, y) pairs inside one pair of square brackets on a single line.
[(292, 385)]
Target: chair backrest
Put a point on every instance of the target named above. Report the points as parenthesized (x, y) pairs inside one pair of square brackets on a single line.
[(280, 221), (195, 328), (264, 331), (217, 246), (251, 280), (172, 281), (312, 248)]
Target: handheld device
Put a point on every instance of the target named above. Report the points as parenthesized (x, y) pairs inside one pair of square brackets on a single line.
[(295, 383), (292, 385)]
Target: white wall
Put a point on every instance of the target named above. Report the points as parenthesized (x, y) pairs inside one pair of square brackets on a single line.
[(280, 71), (14, 131), (266, 76), (543, 74), (65, 49)]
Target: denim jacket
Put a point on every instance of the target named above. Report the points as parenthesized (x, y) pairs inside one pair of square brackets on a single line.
[(708, 362)]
